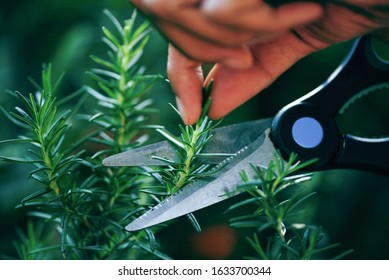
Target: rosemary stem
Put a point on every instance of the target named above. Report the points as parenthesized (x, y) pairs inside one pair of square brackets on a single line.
[(190, 153)]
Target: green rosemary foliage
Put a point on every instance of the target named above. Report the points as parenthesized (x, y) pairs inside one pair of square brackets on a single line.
[(191, 163), (276, 204), (190, 145), (53, 160), (121, 116), (46, 130), (82, 203), (121, 86)]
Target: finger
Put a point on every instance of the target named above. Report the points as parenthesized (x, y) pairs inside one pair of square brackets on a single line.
[(257, 16), (197, 24), (186, 15), (231, 88), (186, 78), (199, 50)]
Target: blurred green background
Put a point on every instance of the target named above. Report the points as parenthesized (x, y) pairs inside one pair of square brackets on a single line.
[(351, 206)]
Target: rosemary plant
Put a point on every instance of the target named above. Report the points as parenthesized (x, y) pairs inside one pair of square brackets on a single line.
[(277, 197), (78, 211), (53, 162), (122, 115)]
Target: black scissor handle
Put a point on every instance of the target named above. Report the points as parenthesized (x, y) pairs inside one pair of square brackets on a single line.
[(308, 128)]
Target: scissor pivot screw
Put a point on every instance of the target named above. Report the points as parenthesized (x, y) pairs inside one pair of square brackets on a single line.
[(307, 132)]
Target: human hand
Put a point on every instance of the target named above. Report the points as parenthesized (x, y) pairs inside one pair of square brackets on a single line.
[(234, 84), (231, 87), (217, 30)]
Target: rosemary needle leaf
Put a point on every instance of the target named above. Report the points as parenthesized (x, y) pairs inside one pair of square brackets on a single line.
[(171, 138), (167, 161), (115, 22), (194, 222), (19, 160), (151, 237), (34, 195), (111, 39)]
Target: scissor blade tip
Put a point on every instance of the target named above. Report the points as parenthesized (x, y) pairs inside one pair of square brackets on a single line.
[(133, 227), (108, 162)]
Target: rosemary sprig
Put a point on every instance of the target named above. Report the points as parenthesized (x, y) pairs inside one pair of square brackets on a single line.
[(190, 144), (53, 159), (277, 197), (46, 130), (122, 114), (120, 87), (191, 163)]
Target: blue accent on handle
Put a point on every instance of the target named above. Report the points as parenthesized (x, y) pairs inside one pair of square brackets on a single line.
[(307, 132)]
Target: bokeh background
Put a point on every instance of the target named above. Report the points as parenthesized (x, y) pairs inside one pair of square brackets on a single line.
[(351, 206)]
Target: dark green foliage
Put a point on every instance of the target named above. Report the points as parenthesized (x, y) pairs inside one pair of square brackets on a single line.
[(278, 199), (81, 203), (190, 165), (46, 129), (190, 145)]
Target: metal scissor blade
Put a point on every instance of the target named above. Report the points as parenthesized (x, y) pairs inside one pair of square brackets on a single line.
[(210, 190), (225, 140), (144, 156)]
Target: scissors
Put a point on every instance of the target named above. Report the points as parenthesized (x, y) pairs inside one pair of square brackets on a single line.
[(306, 127)]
